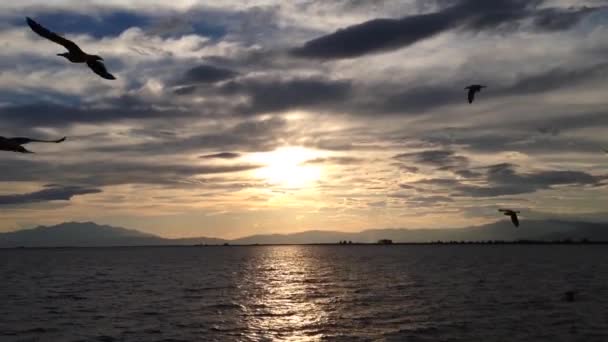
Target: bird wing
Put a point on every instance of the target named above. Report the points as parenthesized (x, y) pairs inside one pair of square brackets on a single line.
[(100, 69), (471, 95), (52, 36), (515, 220), (23, 141)]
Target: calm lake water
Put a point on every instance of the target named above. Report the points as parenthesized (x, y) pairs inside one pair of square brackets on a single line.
[(305, 293)]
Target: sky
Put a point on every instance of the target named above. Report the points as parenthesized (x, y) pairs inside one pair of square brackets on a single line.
[(232, 118)]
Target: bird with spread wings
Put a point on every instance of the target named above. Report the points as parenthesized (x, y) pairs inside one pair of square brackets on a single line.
[(14, 144), (512, 214), (474, 88), (74, 54)]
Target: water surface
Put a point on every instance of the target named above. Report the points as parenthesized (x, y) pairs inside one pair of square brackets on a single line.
[(305, 293)]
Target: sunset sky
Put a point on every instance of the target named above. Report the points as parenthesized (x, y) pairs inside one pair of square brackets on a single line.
[(231, 118)]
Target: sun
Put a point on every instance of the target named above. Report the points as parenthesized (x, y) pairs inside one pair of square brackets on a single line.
[(287, 167)]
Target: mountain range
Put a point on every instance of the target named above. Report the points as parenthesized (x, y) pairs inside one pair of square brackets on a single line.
[(89, 234)]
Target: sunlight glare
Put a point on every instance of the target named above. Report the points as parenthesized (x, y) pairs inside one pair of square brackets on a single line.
[(286, 166)]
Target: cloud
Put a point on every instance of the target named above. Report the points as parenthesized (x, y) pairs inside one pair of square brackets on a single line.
[(221, 155), (443, 159), (435, 181), (246, 135), (103, 24), (503, 179), (206, 74), (99, 173), (505, 175), (560, 77), (407, 168), (424, 97), (388, 34), (201, 88), (557, 19), (250, 96), (49, 114), (51, 193), (336, 160), (274, 95), (423, 201)]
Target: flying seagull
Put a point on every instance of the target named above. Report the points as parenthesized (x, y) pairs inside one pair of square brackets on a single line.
[(74, 54), (513, 214), (474, 88), (14, 144)]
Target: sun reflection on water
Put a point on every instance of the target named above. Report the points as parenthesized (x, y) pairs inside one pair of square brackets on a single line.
[(283, 301)]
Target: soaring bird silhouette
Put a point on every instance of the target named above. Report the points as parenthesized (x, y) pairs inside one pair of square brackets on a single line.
[(14, 144), (74, 54), (474, 88), (513, 214)]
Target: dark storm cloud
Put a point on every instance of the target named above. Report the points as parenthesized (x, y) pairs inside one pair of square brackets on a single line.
[(221, 155), (51, 193), (471, 15)]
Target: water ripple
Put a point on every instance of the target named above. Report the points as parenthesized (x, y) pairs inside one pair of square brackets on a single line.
[(305, 293)]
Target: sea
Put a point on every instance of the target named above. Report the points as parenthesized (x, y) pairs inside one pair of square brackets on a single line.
[(306, 293)]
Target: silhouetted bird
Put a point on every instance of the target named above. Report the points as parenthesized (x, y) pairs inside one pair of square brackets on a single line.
[(513, 214), (474, 88), (14, 144), (74, 54)]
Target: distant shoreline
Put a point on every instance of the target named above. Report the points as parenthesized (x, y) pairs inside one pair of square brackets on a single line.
[(459, 243)]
